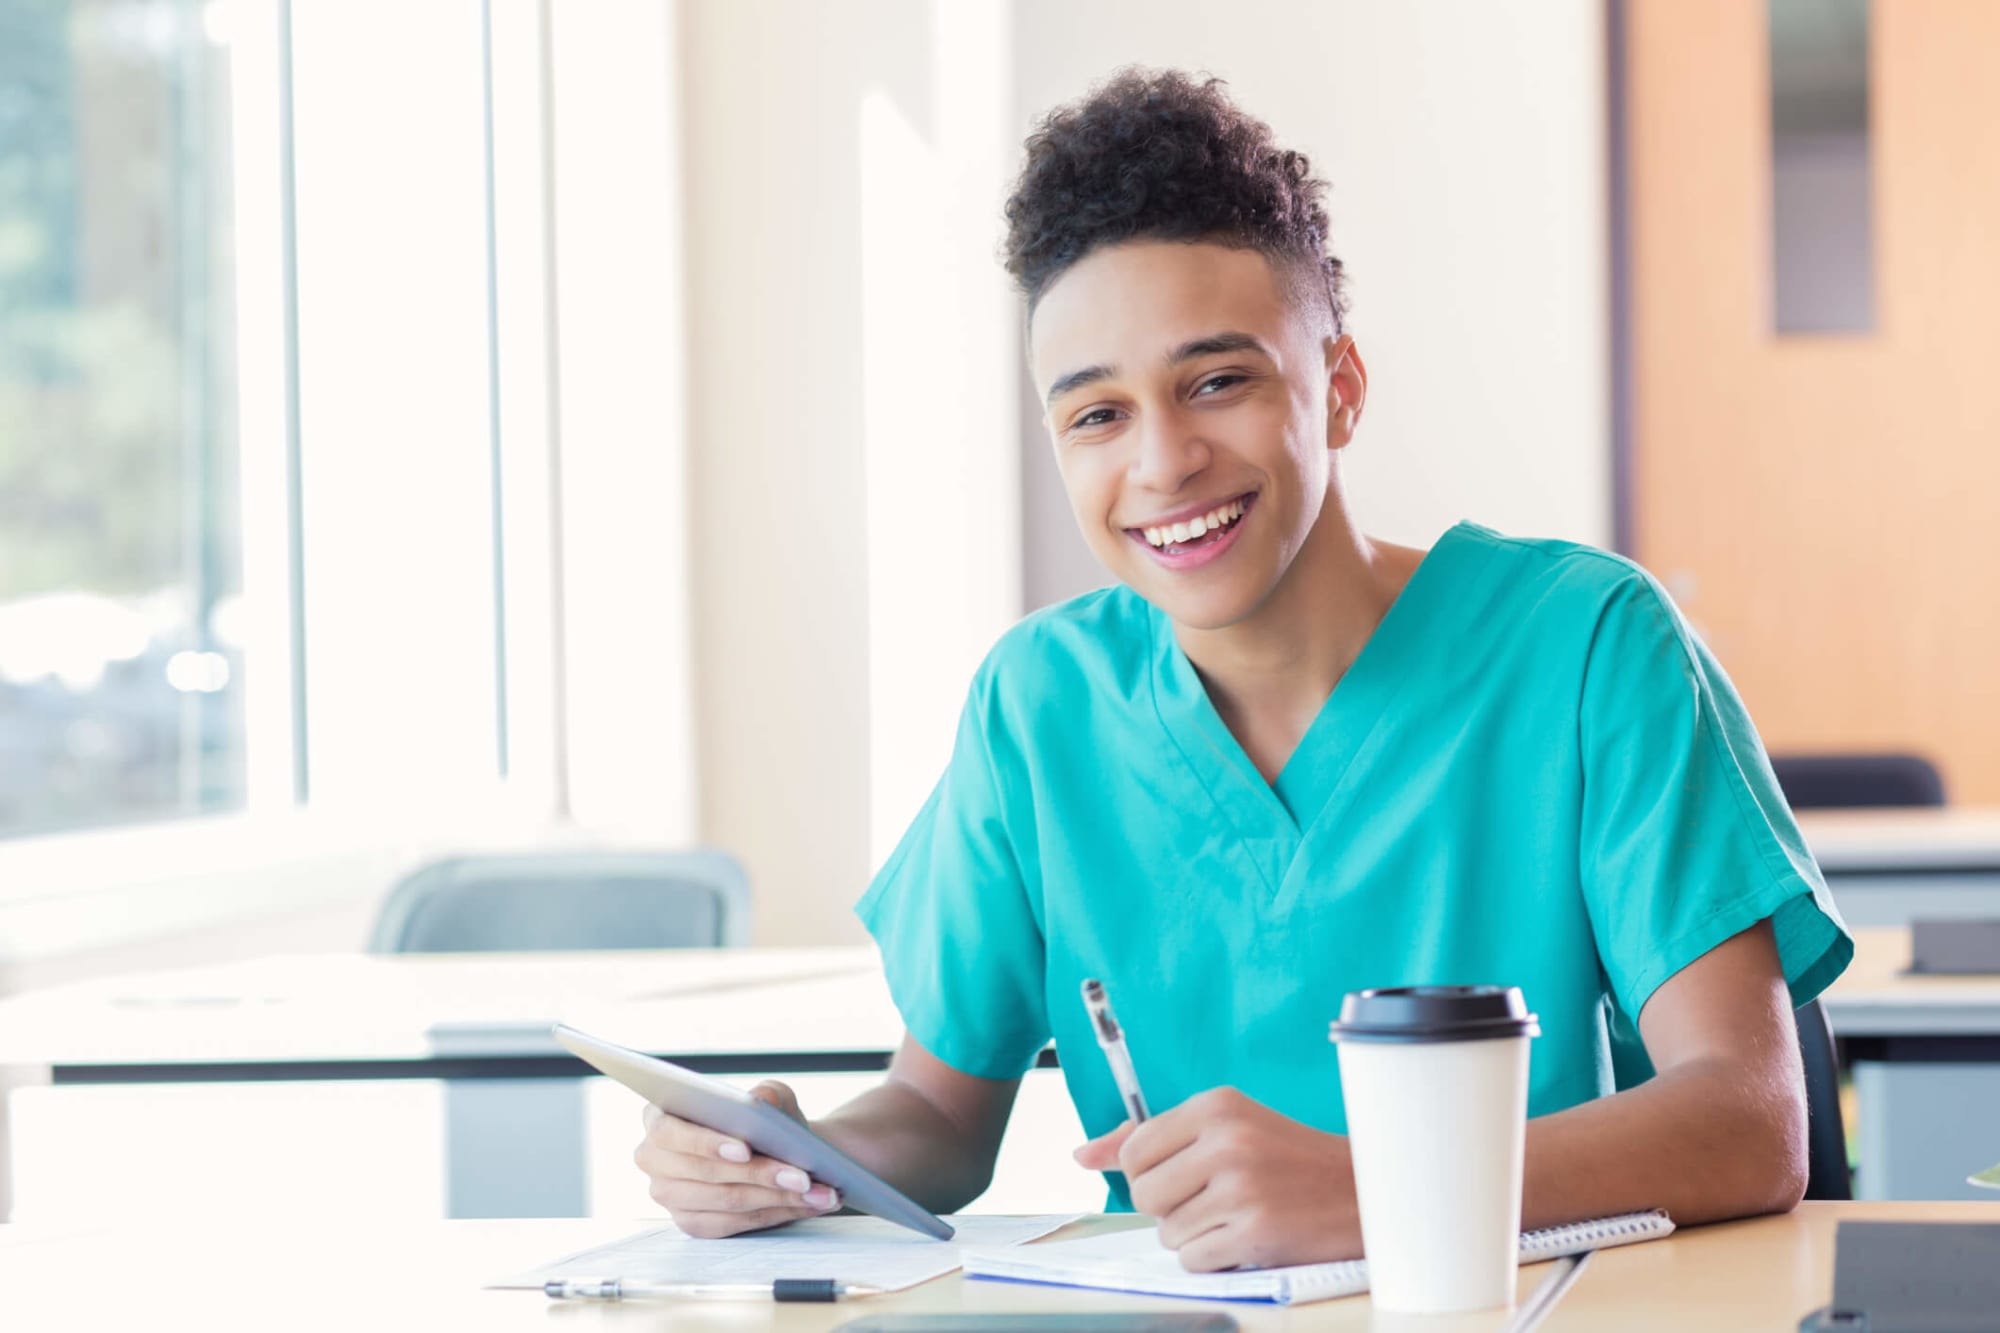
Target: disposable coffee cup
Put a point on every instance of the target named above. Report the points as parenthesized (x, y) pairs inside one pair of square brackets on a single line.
[(1435, 1081)]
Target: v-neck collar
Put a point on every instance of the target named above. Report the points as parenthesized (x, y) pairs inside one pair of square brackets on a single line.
[(1272, 818)]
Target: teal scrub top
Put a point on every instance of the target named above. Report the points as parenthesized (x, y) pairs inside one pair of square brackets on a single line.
[(1533, 775)]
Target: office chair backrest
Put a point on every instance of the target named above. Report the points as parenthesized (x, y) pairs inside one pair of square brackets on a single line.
[(1826, 1132), (567, 900), (1826, 781)]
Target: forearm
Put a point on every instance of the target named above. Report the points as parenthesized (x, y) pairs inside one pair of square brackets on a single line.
[(896, 1132), (1700, 1141)]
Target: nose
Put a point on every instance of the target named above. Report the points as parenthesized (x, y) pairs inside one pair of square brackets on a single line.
[(1171, 451)]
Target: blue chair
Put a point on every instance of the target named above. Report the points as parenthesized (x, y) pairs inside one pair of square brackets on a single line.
[(567, 900), (1831, 781), (1827, 1176), (536, 901), (1838, 781)]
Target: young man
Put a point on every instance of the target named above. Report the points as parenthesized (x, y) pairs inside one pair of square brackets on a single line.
[(1284, 761)]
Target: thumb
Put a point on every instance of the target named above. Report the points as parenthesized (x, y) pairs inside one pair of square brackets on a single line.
[(1101, 1153), (779, 1095)]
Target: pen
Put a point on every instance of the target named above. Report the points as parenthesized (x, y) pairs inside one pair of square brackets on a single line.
[(1112, 1038), (1554, 1287), (625, 1289)]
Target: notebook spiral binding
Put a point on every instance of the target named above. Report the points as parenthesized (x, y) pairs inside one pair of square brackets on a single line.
[(1554, 1242)]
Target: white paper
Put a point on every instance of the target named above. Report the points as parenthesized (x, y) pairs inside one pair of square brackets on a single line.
[(1134, 1261), (863, 1250)]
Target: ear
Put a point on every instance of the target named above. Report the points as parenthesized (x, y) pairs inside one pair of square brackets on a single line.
[(1346, 389)]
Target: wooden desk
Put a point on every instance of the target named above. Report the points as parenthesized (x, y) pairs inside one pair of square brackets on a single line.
[(315, 1273)]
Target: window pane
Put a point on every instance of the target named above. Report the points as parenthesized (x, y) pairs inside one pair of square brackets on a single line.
[(1823, 244), (120, 666)]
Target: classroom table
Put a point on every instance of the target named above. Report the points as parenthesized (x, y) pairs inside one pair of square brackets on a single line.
[(478, 1021), (1892, 867), (309, 1272), (1925, 1051)]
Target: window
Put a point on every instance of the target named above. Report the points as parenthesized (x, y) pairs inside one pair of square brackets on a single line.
[(121, 662), (291, 511)]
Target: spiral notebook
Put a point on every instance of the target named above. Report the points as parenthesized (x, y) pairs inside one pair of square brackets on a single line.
[(1135, 1261)]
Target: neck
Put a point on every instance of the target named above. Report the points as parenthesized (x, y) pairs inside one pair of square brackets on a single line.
[(1287, 655)]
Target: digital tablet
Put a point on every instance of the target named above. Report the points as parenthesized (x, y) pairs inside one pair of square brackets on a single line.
[(705, 1101)]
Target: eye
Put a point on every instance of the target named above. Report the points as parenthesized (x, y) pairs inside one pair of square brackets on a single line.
[(1097, 416), (1217, 383)]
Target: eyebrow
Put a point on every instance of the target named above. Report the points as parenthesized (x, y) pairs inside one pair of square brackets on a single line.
[(1213, 344)]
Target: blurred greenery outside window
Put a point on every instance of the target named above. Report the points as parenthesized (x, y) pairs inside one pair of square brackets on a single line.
[(121, 669)]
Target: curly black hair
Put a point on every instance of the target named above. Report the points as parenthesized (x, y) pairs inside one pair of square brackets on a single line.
[(1162, 155)]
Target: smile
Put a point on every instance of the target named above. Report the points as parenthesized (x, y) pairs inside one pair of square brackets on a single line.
[(1216, 519), (1197, 539)]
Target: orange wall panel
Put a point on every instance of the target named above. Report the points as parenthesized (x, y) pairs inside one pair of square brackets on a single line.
[(1827, 508)]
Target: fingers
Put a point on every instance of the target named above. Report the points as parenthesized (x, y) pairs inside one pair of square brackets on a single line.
[(680, 1194), (1171, 1186), (766, 1172), (1158, 1139), (1101, 1153), (780, 1096), (695, 1171), (673, 1134), (1215, 1248)]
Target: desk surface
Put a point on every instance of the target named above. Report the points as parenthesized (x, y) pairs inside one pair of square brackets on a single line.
[(412, 1007), (1945, 838), (277, 1272), (369, 1011), (1875, 997)]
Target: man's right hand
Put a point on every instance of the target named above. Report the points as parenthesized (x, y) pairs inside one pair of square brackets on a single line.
[(714, 1185)]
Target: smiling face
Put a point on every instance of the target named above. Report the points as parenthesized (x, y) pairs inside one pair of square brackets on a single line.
[(1194, 404)]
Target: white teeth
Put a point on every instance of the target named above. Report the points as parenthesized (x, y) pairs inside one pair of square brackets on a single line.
[(1212, 521)]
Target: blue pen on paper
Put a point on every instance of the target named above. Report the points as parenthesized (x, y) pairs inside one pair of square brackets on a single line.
[(1112, 1038)]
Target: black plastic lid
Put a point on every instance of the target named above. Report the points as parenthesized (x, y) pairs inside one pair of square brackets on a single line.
[(1434, 1013)]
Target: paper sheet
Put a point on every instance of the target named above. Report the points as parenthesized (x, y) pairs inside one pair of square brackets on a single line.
[(862, 1250)]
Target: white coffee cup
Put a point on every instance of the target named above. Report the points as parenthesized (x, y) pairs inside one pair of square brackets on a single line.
[(1435, 1081)]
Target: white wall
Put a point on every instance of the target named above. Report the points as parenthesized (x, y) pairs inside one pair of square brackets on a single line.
[(852, 433), (1464, 143), (861, 440)]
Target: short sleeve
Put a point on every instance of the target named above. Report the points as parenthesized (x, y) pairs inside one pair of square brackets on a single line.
[(960, 941), (1686, 839)]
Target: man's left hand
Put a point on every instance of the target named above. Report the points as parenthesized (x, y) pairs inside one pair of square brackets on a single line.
[(1236, 1185)]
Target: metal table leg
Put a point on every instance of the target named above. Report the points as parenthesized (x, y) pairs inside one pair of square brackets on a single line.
[(514, 1147), (1925, 1126)]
